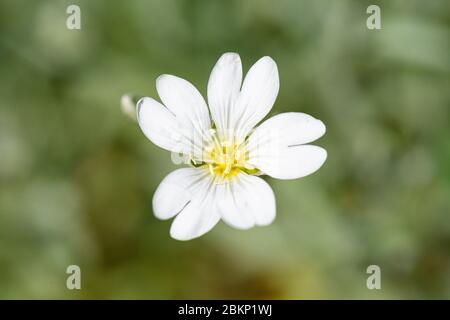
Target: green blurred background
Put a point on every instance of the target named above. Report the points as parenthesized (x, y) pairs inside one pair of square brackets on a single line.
[(77, 175)]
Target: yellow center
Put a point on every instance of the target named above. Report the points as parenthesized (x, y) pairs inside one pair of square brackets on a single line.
[(225, 159)]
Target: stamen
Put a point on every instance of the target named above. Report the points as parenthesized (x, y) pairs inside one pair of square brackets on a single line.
[(216, 142), (211, 170), (224, 159)]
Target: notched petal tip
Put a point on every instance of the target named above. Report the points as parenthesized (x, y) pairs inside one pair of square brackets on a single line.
[(320, 128), (174, 234), (266, 60), (179, 237), (140, 103), (163, 77), (228, 57), (165, 80), (320, 160), (324, 156), (139, 106), (322, 125)]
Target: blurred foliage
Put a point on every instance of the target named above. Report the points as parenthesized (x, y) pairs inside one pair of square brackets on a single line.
[(77, 176)]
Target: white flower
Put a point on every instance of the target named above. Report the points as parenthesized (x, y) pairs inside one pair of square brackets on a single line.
[(225, 154)]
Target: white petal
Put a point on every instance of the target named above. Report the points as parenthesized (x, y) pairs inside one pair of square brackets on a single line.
[(193, 222), (246, 201), (175, 191), (163, 128), (286, 129), (288, 162), (277, 147), (189, 194), (258, 94), (223, 88), (186, 104)]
